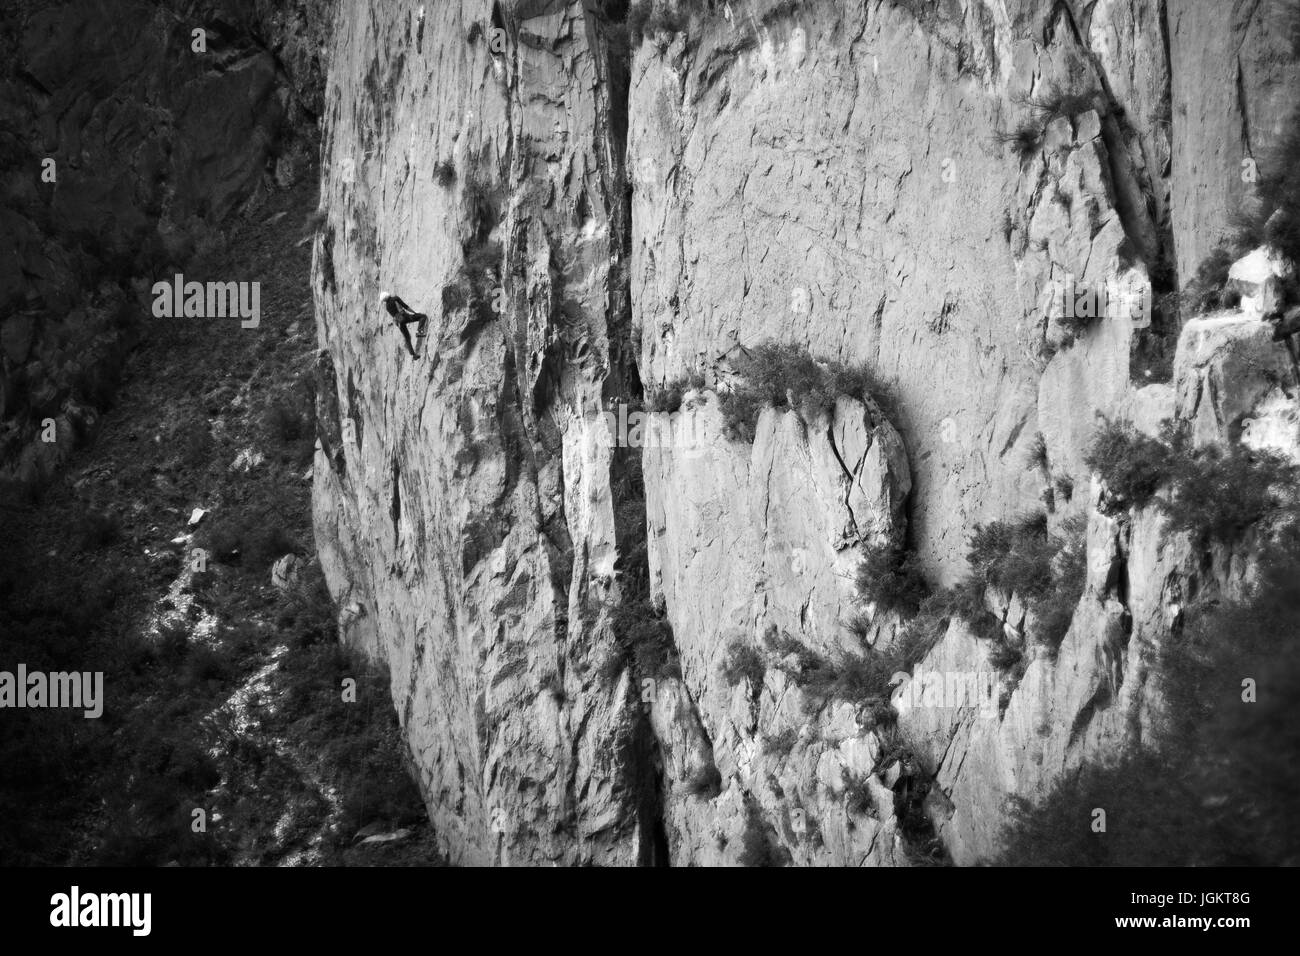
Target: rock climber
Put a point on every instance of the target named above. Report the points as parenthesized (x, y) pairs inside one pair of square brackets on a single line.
[(403, 315)]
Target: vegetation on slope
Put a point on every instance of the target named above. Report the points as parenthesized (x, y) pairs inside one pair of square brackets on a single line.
[(222, 693), (1214, 787)]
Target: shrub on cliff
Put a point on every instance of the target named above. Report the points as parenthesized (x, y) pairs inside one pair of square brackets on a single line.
[(1215, 490), (964, 600), (1206, 291), (1212, 786), (669, 396), (646, 17), (1006, 657), (780, 745), (1046, 571), (705, 782), (1132, 465), (1027, 137), (643, 643), (638, 14), (757, 847), (890, 577), (857, 679), (1056, 101), (1036, 456), (1024, 139), (857, 795), (787, 376), (1015, 556), (743, 662), (1054, 611), (482, 200), (1222, 491)]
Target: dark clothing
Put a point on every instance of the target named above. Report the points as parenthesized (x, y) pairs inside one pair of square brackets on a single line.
[(403, 315)]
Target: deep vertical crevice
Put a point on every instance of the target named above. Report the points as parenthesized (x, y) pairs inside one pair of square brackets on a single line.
[(642, 634), (395, 502)]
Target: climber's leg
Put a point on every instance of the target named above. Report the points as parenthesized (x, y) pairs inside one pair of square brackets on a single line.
[(420, 331), (422, 321), (406, 337)]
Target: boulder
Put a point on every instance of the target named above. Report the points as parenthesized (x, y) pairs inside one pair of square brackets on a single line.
[(286, 572), (1224, 365), (1258, 277)]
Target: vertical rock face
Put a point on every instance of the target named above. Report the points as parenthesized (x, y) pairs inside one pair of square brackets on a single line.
[(923, 189), (1234, 73), (469, 514)]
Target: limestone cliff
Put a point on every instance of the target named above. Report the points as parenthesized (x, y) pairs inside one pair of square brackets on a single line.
[(594, 205)]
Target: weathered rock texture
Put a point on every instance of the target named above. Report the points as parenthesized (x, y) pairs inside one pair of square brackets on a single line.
[(841, 177), (154, 146)]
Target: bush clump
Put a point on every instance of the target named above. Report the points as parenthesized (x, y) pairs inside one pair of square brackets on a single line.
[(857, 795), (1211, 785), (225, 540), (780, 745), (1215, 491), (647, 17), (859, 679), (743, 663), (890, 577), (285, 423), (252, 545), (1014, 556), (1222, 491), (1027, 137), (964, 600), (1132, 465), (705, 782), (756, 846), (1207, 291), (1047, 571), (1054, 611), (1024, 140), (99, 529), (643, 642), (669, 396), (787, 376)]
